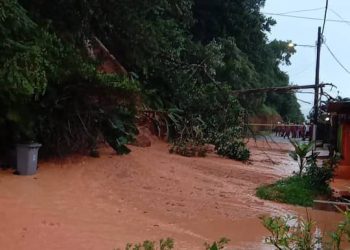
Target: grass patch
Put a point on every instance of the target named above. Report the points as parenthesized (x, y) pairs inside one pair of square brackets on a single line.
[(293, 190)]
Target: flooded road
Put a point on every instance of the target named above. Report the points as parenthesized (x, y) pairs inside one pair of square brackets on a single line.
[(104, 203)]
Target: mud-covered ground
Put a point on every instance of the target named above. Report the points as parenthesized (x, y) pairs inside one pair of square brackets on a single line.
[(104, 203)]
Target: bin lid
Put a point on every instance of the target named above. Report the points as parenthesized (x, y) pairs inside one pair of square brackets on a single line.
[(30, 145)]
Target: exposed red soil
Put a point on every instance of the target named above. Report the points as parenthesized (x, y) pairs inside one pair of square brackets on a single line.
[(106, 202)]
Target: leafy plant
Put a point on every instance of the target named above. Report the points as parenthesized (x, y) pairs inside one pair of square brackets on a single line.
[(301, 150), (164, 244), (164, 122), (190, 138), (229, 146), (290, 232), (292, 190), (320, 176), (217, 245), (234, 150), (301, 189)]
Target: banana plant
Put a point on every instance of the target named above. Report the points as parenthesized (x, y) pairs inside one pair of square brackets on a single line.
[(300, 153)]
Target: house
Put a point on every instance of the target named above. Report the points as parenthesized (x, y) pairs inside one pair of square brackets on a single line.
[(340, 121)]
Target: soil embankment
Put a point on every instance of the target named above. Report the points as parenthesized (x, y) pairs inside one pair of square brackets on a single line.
[(103, 203)]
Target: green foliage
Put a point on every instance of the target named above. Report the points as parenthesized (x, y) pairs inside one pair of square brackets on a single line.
[(217, 245), (293, 190), (52, 92), (165, 121), (319, 177), (343, 231), (236, 150), (302, 188), (289, 232), (191, 53), (301, 150), (118, 129), (189, 148), (227, 144), (166, 244), (23, 57), (119, 82), (190, 140)]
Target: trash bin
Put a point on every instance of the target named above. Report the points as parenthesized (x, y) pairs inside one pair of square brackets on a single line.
[(27, 158)]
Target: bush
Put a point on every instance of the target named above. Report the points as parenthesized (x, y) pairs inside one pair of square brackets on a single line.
[(310, 181), (320, 176), (236, 150), (228, 145), (301, 150), (189, 149), (190, 140), (293, 190), (290, 232)]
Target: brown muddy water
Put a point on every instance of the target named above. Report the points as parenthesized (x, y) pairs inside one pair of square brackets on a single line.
[(104, 203)]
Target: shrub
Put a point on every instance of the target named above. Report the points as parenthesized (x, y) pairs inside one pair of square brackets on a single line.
[(217, 245), (319, 176), (311, 180), (290, 232), (294, 190), (301, 150), (189, 149), (236, 150), (190, 141), (228, 145)]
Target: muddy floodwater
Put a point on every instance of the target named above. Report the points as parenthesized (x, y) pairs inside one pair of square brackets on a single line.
[(104, 203)]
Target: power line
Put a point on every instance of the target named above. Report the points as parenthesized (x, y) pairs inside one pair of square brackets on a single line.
[(325, 17), (308, 18), (338, 15), (306, 68), (336, 59), (298, 11)]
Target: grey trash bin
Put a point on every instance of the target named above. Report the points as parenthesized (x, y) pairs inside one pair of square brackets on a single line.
[(27, 158)]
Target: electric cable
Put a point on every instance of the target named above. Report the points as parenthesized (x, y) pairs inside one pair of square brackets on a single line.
[(325, 17), (308, 18), (336, 59), (298, 11)]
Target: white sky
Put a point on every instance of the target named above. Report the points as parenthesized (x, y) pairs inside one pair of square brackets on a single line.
[(300, 31)]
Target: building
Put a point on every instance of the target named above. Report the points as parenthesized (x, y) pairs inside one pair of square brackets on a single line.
[(340, 138)]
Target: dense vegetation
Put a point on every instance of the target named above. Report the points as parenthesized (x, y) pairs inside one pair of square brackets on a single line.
[(310, 182), (186, 55)]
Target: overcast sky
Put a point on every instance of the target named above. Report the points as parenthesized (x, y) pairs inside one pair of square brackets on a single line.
[(302, 31)]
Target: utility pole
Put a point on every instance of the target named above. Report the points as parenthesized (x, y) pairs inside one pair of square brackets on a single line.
[(317, 82)]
